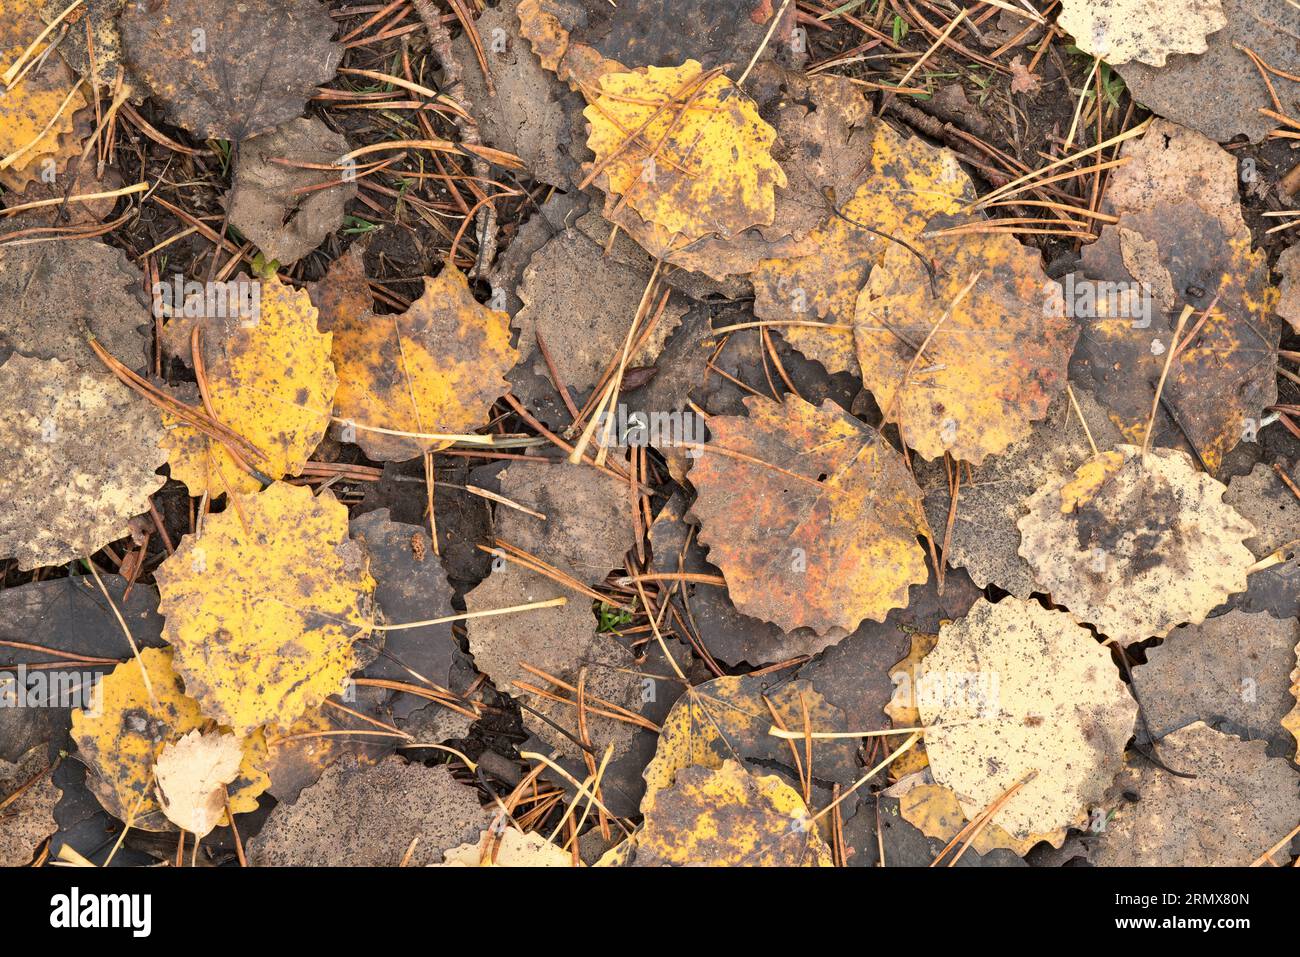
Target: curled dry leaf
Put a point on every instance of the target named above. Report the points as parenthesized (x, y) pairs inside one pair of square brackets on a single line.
[(728, 817), (269, 378), (281, 208), (367, 816), (1220, 92), (1236, 805), (995, 353), (1136, 544), (79, 456), (51, 310), (1016, 694), (37, 112), (264, 609), (120, 740), (1231, 668), (27, 799), (1147, 31), (230, 70), (700, 162), (435, 369), (581, 303), (192, 774), (507, 847), (909, 183), (812, 517)]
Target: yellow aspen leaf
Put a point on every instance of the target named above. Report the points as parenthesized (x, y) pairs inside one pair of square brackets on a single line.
[(936, 812), (434, 369), (701, 162), (909, 184), (997, 357), (1019, 695), (265, 607), (1136, 544), (812, 516), (902, 709), (727, 817), (32, 105), (121, 738), (192, 774), (507, 847), (270, 379)]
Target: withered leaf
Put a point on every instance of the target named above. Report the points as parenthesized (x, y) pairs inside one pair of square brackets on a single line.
[(1135, 544), (1016, 694), (281, 207), (367, 816), (79, 454), (192, 773), (994, 358), (27, 798), (230, 70), (260, 636), (1236, 804), (507, 847), (812, 517), (1146, 31)]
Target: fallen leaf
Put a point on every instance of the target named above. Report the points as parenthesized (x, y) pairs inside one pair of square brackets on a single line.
[(1135, 544), (993, 357), (434, 369), (230, 70), (1023, 80), (909, 184), (935, 811), (1147, 31), (27, 799), (812, 517), (709, 168), (281, 208), (270, 379), (1016, 694), (727, 817), (1237, 804), (1220, 92), (353, 817), (78, 458), (192, 773), (103, 34), (1231, 670), (1263, 499), (121, 738), (507, 847), (260, 636), (1288, 266), (52, 311)]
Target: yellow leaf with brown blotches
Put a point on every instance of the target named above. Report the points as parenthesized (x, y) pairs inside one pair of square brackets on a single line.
[(264, 609)]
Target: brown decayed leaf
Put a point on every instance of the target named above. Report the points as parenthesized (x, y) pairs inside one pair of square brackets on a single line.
[(692, 171), (1016, 693), (435, 369), (103, 33), (1288, 305), (588, 525), (367, 816), (267, 201), (270, 379), (1264, 500), (121, 740), (230, 70), (78, 458), (990, 499), (26, 818), (31, 105), (1136, 544), (265, 607), (1219, 92), (728, 817), (192, 773), (1147, 31), (909, 183), (1231, 668), (825, 547), (83, 181), (507, 847), (1236, 805), (582, 303), (51, 310), (994, 358)]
